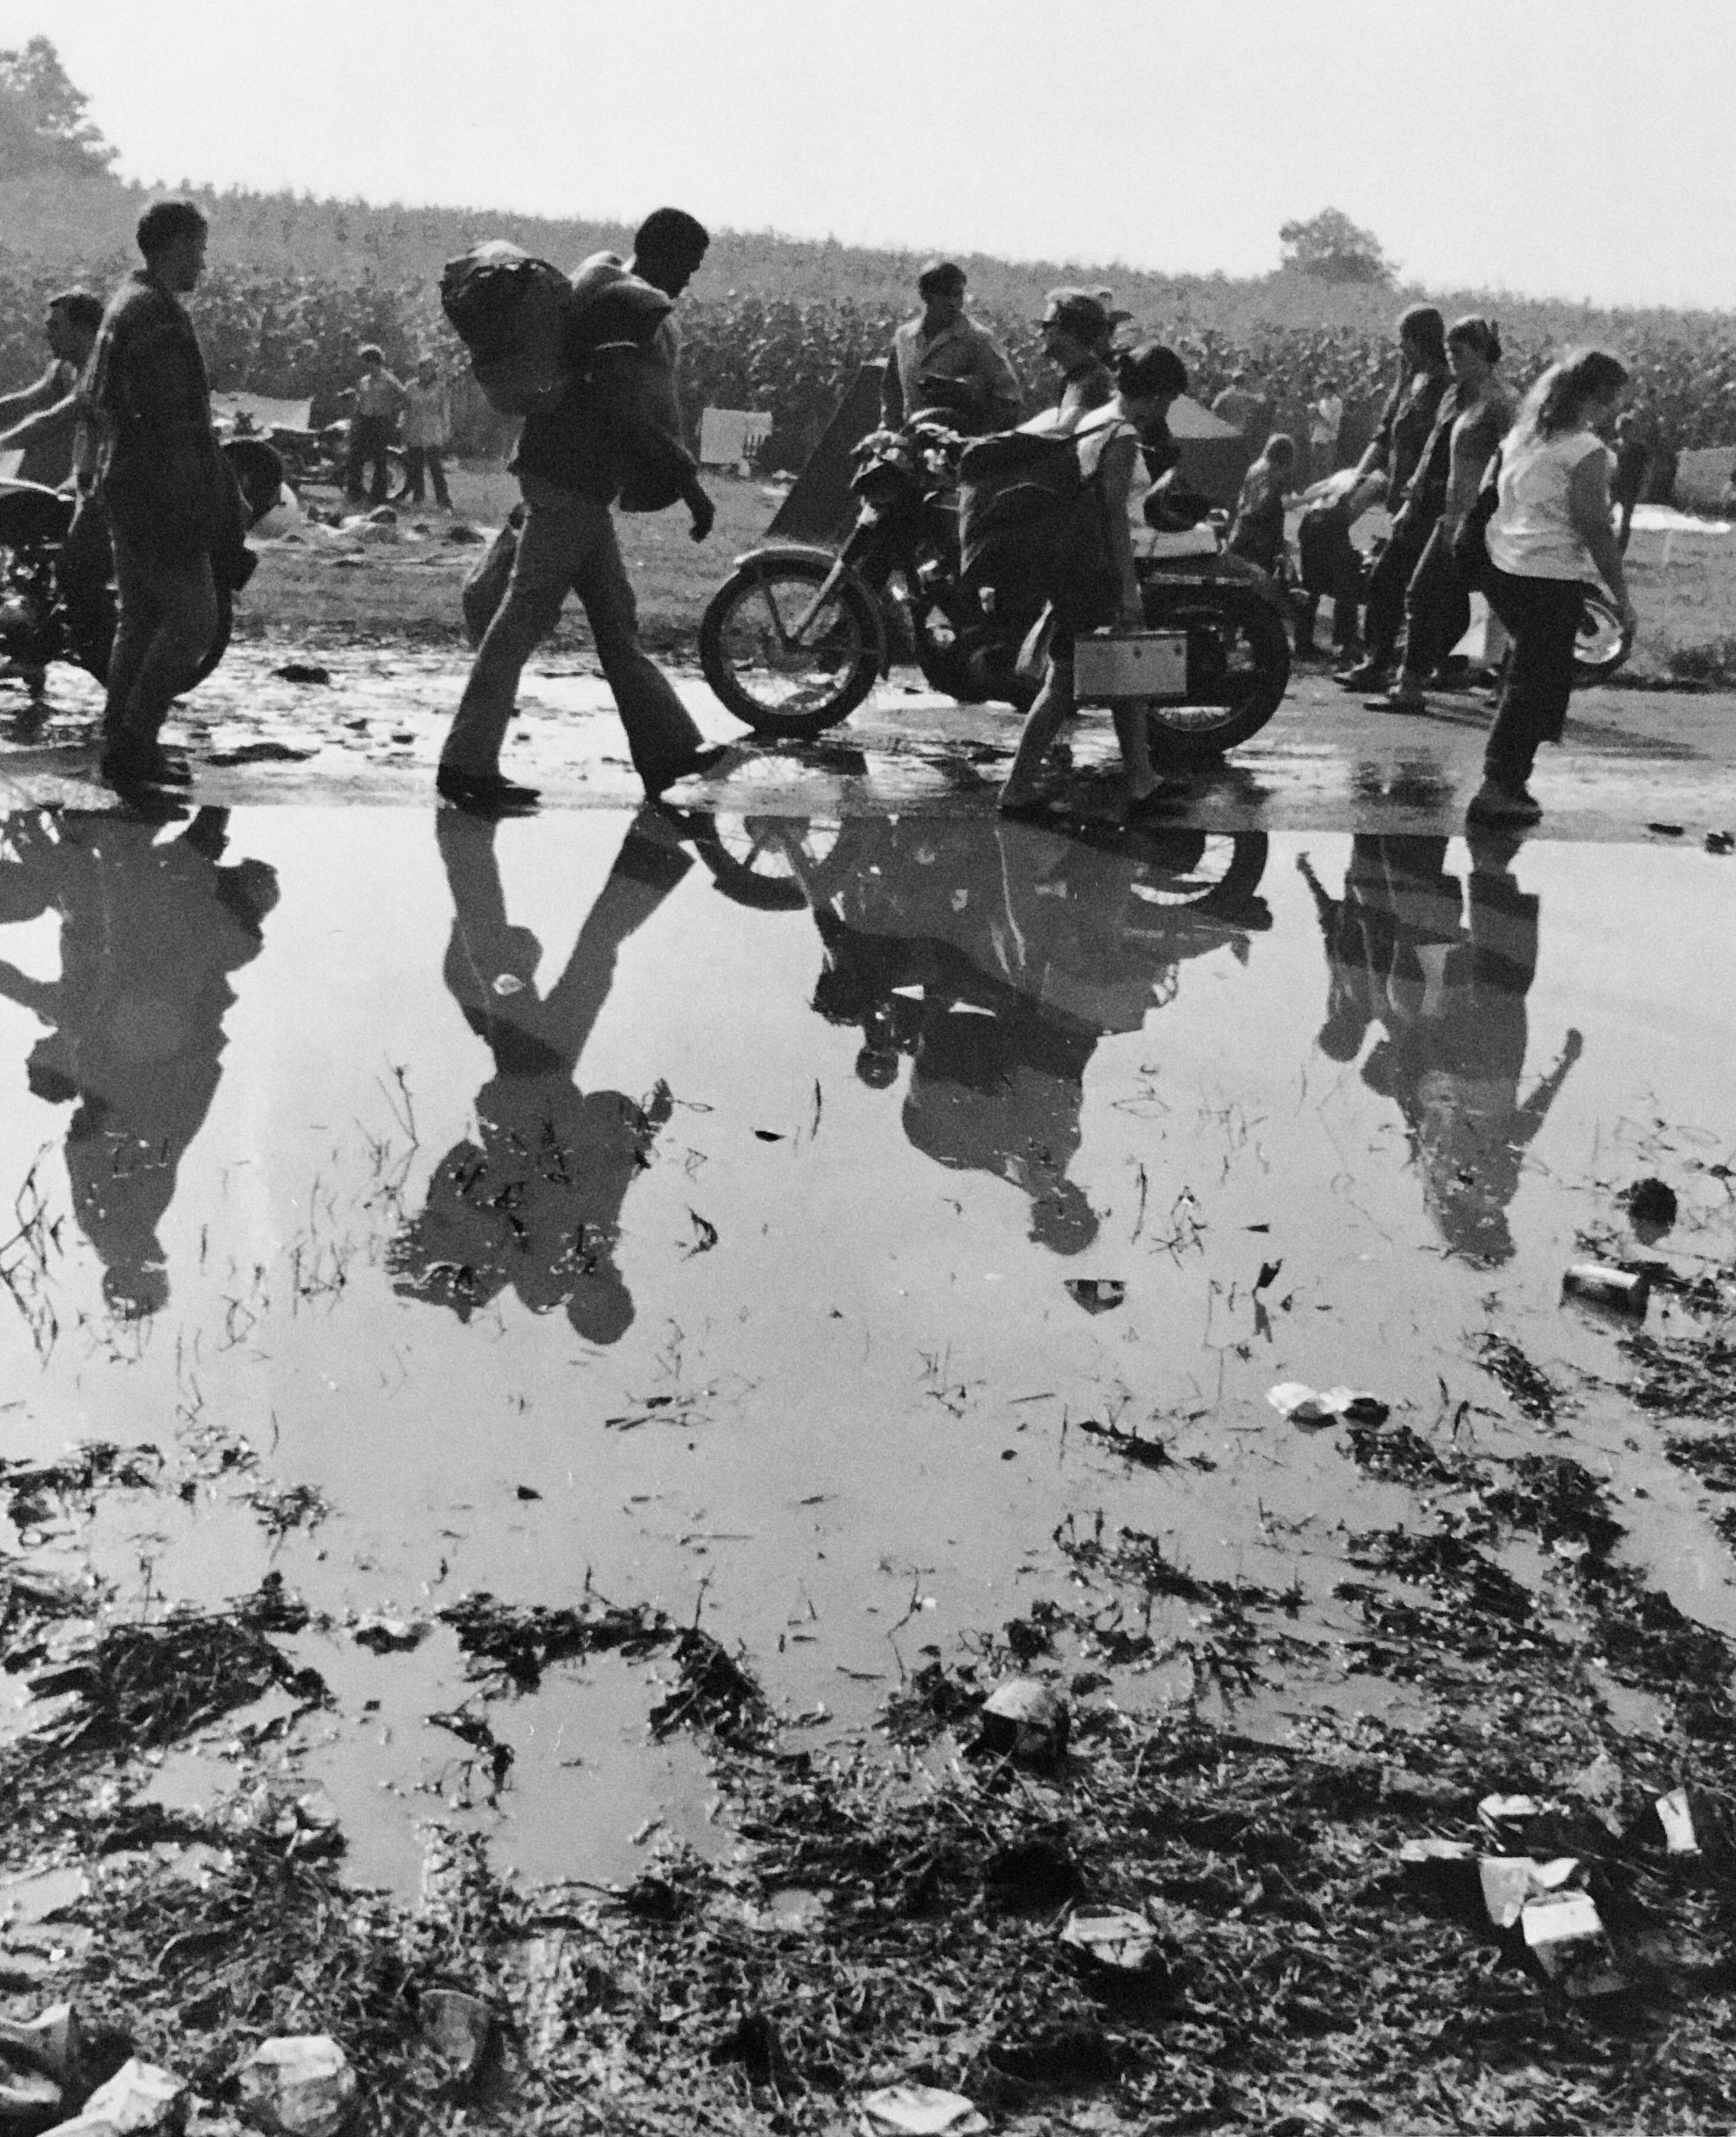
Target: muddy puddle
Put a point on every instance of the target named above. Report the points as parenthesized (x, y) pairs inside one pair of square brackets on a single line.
[(831, 1236)]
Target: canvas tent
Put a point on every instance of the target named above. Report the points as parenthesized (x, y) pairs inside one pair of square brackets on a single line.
[(1214, 457)]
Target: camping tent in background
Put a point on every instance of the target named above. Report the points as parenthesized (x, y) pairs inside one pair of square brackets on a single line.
[(1214, 457)]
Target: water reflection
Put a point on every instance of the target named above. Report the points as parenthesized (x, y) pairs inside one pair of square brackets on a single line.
[(1441, 970), (994, 957), (535, 1205), (151, 930)]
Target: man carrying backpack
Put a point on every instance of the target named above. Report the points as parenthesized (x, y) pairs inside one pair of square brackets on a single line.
[(612, 424)]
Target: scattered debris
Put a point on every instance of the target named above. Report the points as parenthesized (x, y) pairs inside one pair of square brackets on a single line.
[(141, 2099), (919, 2110), (298, 2084), (1564, 1933), (260, 753), (1604, 1286), (1096, 1294), (389, 1636), (1022, 1719), (1652, 1202), (1721, 842), (1666, 831), (460, 2028), (1305, 1406), (303, 671)]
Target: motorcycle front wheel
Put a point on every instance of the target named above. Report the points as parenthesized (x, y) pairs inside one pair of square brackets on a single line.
[(789, 687), (1238, 670)]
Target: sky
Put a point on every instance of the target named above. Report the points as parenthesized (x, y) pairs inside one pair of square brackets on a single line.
[(1579, 149)]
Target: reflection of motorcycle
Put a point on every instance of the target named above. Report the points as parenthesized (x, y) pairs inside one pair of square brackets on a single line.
[(37, 622), (795, 638), (991, 958)]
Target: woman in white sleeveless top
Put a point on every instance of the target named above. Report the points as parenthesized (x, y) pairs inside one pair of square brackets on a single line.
[(1548, 537)]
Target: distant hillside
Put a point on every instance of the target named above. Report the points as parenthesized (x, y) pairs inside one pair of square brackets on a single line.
[(58, 221)]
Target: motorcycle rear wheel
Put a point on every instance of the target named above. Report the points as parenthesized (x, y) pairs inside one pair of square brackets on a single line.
[(789, 692), (1239, 655)]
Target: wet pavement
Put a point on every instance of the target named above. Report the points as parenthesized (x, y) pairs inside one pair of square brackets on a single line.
[(807, 1211), (369, 728)]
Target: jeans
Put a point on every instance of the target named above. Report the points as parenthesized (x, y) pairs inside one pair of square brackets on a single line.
[(87, 558), (416, 458), (168, 622), (1543, 616), (568, 541), (1383, 615), (370, 437), (1436, 606)]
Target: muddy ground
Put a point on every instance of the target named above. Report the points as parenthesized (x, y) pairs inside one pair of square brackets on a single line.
[(882, 1905)]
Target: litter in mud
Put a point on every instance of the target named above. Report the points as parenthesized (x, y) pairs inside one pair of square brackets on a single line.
[(1096, 1294), (1620, 1288), (299, 2085), (919, 2110), (1305, 1406)]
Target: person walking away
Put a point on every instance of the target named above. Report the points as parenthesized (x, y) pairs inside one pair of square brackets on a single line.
[(572, 461), (1474, 419), (1395, 449), (1108, 438), (53, 409), (427, 431), (1549, 533), (380, 399), (173, 510), (942, 362), (1627, 479), (1257, 533)]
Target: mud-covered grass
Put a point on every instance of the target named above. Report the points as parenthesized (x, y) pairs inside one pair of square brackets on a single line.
[(313, 595), (891, 1912)]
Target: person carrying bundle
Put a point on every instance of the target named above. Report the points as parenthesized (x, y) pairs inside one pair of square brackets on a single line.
[(597, 391), (1090, 568)]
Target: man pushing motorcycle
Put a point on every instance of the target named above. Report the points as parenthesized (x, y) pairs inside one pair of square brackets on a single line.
[(943, 362)]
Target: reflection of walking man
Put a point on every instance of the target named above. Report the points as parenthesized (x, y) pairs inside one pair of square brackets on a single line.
[(1447, 980), (150, 935), (535, 1205)]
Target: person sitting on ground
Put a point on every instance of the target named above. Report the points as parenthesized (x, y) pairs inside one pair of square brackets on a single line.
[(1257, 533), (942, 362), (1548, 535), (1406, 424), (1108, 437), (1473, 420), (380, 400)]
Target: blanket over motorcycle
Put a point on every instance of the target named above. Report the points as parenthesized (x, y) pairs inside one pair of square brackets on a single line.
[(1033, 524)]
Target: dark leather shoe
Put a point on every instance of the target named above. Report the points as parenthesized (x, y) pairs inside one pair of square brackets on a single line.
[(486, 793)]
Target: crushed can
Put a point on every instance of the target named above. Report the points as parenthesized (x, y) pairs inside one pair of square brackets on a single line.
[(1622, 1290)]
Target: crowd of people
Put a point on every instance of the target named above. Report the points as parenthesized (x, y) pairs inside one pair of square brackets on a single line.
[(1485, 493)]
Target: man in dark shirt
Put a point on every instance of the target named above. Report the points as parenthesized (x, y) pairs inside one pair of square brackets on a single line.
[(572, 463), (170, 500)]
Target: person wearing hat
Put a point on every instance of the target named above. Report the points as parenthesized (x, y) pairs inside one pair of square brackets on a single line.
[(1076, 327), (1111, 435), (942, 362)]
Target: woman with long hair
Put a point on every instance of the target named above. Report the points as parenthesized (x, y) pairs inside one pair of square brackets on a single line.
[(1549, 534)]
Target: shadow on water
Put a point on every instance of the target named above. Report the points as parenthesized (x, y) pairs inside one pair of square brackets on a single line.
[(727, 1251)]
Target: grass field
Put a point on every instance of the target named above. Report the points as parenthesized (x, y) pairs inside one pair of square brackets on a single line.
[(1684, 585)]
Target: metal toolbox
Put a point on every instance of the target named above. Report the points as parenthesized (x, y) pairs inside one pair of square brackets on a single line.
[(1111, 666)]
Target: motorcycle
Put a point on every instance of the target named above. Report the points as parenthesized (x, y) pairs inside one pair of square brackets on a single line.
[(37, 623), (795, 638)]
